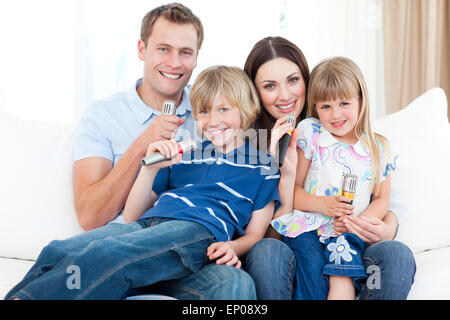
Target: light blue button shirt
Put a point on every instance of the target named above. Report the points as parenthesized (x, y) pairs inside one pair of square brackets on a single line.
[(109, 126)]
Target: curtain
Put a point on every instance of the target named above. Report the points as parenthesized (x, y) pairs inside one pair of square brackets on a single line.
[(417, 49)]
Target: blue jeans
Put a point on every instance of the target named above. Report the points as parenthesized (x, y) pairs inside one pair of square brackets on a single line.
[(316, 261), (390, 267), (118, 257)]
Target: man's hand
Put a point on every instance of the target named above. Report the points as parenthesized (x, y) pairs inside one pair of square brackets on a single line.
[(163, 127)]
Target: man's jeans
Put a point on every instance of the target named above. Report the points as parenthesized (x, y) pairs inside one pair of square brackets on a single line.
[(390, 267), (105, 263)]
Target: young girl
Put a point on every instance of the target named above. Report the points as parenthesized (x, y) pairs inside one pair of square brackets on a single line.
[(335, 140), (209, 205)]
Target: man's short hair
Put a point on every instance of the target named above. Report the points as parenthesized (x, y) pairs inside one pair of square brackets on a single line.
[(174, 12)]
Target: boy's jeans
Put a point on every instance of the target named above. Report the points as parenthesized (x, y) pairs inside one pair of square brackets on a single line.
[(390, 267), (110, 260)]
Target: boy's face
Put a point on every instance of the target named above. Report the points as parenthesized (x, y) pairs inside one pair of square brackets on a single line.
[(221, 125), (169, 59)]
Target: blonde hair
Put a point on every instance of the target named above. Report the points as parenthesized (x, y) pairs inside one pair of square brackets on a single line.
[(340, 78), (234, 84)]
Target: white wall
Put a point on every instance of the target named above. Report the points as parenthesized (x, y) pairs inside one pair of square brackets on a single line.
[(58, 56)]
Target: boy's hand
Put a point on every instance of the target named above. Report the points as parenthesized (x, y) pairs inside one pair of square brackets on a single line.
[(169, 149), (335, 206), (224, 253)]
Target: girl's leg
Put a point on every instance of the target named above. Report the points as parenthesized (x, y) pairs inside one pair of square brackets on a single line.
[(56, 250), (341, 288), (109, 267), (344, 265)]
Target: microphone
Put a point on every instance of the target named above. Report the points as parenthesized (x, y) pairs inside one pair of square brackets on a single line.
[(169, 107), (184, 146), (284, 141)]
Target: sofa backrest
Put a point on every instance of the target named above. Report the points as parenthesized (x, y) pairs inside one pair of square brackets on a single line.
[(35, 186)]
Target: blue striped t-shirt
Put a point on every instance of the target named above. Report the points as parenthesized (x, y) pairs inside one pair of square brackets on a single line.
[(219, 191)]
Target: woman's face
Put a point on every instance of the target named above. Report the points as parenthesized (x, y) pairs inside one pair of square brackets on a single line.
[(281, 87)]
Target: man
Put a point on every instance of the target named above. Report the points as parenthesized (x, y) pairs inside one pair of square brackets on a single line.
[(114, 135)]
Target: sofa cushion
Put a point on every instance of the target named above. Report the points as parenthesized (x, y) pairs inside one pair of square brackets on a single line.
[(36, 186), (420, 134), (432, 278)]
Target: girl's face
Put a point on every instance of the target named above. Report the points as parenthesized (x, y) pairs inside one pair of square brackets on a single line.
[(339, 117), (281, 87), (222, 124)]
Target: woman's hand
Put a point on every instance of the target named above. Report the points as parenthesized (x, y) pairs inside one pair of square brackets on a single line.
[(368, 229), (224, 253), (279, 130), (289, 167)]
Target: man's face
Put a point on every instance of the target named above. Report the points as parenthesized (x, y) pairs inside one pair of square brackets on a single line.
[(169, 59)]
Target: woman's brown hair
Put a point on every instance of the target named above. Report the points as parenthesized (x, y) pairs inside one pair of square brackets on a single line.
[(268, 49)]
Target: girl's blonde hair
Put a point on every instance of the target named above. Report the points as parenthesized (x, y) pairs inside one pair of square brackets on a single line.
[(234, 84), (340, 78)]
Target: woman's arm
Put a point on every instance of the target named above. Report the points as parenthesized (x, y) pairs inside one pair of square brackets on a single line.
[(288, 173), (369, 227), (229, 252)]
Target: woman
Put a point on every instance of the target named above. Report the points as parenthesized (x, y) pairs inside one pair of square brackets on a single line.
[(280, 73)]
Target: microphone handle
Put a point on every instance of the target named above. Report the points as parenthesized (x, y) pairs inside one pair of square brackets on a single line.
[(282, 148), (153, 158)]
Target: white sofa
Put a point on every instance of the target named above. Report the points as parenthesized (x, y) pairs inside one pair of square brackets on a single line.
[(37, 203)]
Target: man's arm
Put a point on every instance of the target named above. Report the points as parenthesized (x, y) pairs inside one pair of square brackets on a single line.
[(101, 190)]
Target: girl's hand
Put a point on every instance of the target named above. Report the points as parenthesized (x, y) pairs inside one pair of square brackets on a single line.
[(339, 225), (169, 149), (224, 253), (335, 206), (279, 130)]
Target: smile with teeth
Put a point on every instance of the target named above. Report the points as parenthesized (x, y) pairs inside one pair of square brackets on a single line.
[(287, 106), (171, 75), (216, 132), (338, 124)]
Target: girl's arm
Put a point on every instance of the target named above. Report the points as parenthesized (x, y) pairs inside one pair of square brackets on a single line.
[(331, 206), (142, 197), (229, 252), (380, 202)]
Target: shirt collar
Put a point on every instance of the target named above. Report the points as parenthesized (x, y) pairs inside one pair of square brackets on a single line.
[(326, 139), (244, 151), (143, 112)]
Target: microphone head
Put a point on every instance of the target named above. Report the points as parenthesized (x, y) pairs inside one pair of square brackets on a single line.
[(290, 119), (169, 107), (188, 145)]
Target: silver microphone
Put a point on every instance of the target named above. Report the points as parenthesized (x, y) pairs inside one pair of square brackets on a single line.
[(169, 107), (185, 146)]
